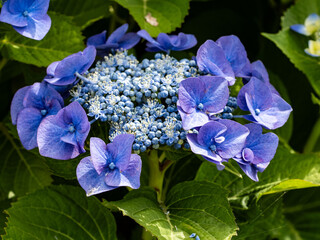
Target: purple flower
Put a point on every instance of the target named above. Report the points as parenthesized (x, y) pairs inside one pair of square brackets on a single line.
[(266, 107), (110, 166), (119, 39), (217, 141), (225, 58), (30, 105), (200, 96), (167, 42), (28, 17), (62, 136), (65, 72), (258, 151)]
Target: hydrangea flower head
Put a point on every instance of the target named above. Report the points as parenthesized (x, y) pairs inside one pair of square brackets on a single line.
[(28, 17), (199, 97), (167, 42), (62, 136), (217, 141), (225, 58), (311, 25), (313, 49), (258, 151), (64, 72), (30, 105), (110, 166), (266, 107), (119, 39)]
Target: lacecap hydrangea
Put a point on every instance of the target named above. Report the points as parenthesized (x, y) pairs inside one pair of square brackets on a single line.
[(155, 104)]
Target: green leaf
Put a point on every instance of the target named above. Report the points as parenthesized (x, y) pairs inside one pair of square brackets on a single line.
[(62, 40), (286, 171), (302, 211), (167, 15), (263, 220), (4, 204), (20, 170), (82, 12), (191, 207), (298, 13), (59, 212), (293, 44)]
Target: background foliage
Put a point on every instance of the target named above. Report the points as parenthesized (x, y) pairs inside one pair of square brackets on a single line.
[(40, 198)]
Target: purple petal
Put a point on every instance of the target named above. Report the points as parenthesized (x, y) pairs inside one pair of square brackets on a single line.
[(153, 44), (50, 143), (235, 138), (54, 138), (18, 6), (75, 114), (97, 40), (259, 71), (120, 150), (27, 125), (36, 28), (42, 96), (186, 41), (98, 151), (200, 149), (78, 62), (299, 28), (128, 177), (211, 59), (250, 171), (275, 116), (13, 18), (116, 35), (17, 103), (191, 91), (209, 132), (255, 133), (166, 42), (52, 68), (38, 8), (193, 120), (89, 179), (264, 148), (259, 95), (234, 52), (216, 94), (128, 41)]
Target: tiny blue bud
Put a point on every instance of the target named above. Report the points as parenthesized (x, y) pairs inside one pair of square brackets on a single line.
[(112, 165), (43, 112)]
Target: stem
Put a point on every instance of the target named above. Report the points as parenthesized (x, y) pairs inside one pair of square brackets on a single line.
[(82, 77), (157, 172), (146, 235), (311, 142), (3, 62)]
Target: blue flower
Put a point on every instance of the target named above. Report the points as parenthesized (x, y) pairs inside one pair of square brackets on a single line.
[(110, 166), (199, 97), (167, 42), (311, 25), (218, 141), (28, 17), (266, 107), (65, 72), (119, 39), (225, 58), (313, 48), (258, 151), (62, 136), (30, 105)]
